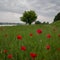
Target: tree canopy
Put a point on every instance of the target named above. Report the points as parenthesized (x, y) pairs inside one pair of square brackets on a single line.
[(37, 22), (29, 16), (57, 17)]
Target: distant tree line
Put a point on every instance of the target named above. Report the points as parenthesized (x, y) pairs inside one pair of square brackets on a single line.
[(7, 23), (31, 16), (38, 22)]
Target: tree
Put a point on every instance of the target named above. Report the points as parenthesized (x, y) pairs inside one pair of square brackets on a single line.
[(37, 22), (45, 23), (57, 17), (29, 16)]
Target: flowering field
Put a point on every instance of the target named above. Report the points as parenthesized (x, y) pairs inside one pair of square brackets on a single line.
[(35, 42)]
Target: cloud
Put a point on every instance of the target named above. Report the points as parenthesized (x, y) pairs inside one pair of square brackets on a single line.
[(46, 19), (9, 17), (46, 9)]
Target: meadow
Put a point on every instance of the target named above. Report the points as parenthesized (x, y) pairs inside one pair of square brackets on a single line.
[(30, 42)]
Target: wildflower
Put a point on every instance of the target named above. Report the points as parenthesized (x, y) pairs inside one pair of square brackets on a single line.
[(48, 47), (23, 48), (48, 36), (19, 37), (31, 34), (10, 56), (33, 55), (39, 31), (5, 51)]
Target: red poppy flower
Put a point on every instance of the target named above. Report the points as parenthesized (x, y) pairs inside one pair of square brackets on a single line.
[(33, 55), (48, 47), (23, 48), (10, 56), (19, 37), (39, 31), (48, 36), (31, 34), (5, 51), (58, 35)]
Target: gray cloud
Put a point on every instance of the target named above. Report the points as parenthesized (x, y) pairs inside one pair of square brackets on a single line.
[(46, 8), (12, 6)]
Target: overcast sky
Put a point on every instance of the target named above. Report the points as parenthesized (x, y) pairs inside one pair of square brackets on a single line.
[(11, 10)]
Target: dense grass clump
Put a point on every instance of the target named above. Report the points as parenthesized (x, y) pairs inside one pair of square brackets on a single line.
[(30, 42)]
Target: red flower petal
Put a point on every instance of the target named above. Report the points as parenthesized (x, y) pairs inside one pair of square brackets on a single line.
[(39, 31), (48, 36), (23, 48), (48, 47), (31, 34), (19, 37), (5, 51), (10, 56), (33, 55)]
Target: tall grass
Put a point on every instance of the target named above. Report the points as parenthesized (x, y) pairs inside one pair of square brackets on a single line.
[(36, 43)]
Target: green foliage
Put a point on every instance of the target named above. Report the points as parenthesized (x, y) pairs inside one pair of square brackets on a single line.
[(29, 17), (45, 23), (57, 17), (57, 23), (37, 22)]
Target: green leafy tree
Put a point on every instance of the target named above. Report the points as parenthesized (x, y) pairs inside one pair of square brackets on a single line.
[(57, 17), (45, 23), (29, 16), (37, 22)]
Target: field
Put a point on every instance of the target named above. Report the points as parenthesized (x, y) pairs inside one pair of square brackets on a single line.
[(30, 42)]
